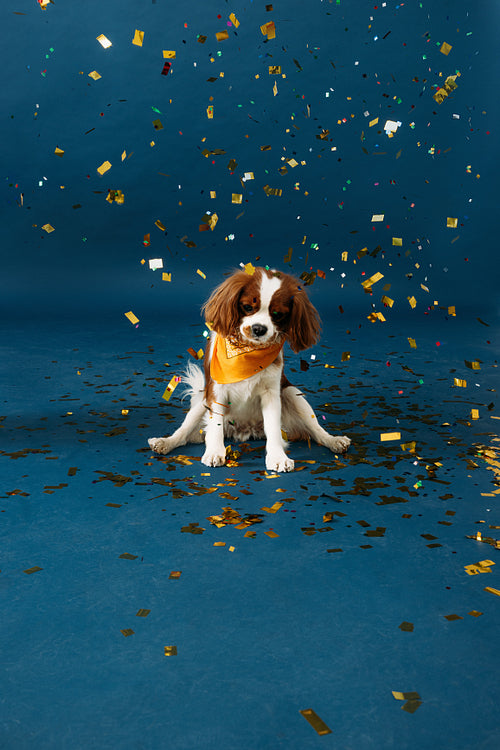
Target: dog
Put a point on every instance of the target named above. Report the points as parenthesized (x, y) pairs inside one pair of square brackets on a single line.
[(243, 392)]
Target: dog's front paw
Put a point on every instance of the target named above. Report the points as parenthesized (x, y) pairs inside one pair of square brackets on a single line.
[(160, 445), (279, 462), (212, 458), (338, 443)]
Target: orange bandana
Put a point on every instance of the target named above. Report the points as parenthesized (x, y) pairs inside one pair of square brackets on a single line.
[(234, 362)]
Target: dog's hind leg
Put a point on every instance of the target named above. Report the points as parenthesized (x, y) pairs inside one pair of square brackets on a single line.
[(300, 421)]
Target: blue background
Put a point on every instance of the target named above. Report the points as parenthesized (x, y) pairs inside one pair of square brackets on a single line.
[(373, 61)]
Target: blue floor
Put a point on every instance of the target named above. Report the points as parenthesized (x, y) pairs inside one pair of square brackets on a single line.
[(131, 620)]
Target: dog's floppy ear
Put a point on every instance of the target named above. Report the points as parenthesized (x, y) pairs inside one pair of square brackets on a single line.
[(304, 326), (221, 309)]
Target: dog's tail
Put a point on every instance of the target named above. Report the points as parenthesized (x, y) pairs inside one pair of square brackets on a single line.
[(194, 381)]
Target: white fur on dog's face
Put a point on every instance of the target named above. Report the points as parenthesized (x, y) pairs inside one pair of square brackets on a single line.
[(258, 326)]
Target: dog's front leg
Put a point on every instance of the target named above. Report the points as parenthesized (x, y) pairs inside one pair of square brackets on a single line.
[(276, 458), (215, 451)]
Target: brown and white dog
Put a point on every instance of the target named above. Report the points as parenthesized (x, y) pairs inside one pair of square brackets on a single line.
[(244, 393)]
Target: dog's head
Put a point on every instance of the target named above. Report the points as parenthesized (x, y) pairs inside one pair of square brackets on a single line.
[(263, 308)]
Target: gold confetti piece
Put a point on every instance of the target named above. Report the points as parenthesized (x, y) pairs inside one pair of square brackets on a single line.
[(169, 54), (127, 632), (221, 35), (474, 613), (249, 269), (142, 613), (412, 696), (157, 124), (412, 301), (373, 122), (411, 446), (345, 255), (460, 383), (314, 720), (210, 112), (48, 228), (166, 277), (104, 41), (125, 412), (275, 89), (397, 241), (378, 217), (200, 273), (269, 30), (411, 706), (346, 356), (127, 556), (234, 20), (440, 95), (412, 343), (271, 534), (115, 196), (133, 318), (474, 413), (105, 166), (491, 590), (175, 574), (160, 225), (59, 151), (231, 549), (33, 570), (387, 301), (208, 221), (95, 75), (372, 280), (384, 436), (170, 650), (174, 382), (406, 627), (475, 365), (219, 544), (236, 198), (138, 38), (450, 222), (446, 48), (480, 567), (274, 508), (373, 317)]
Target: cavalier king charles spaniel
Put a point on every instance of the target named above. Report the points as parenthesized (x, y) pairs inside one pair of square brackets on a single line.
[(244, 392)]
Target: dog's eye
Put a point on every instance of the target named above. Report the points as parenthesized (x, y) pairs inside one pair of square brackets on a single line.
[(277, 315), (247, 308)]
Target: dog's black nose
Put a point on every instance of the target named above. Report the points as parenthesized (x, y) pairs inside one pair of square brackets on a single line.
[(259, 330)]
